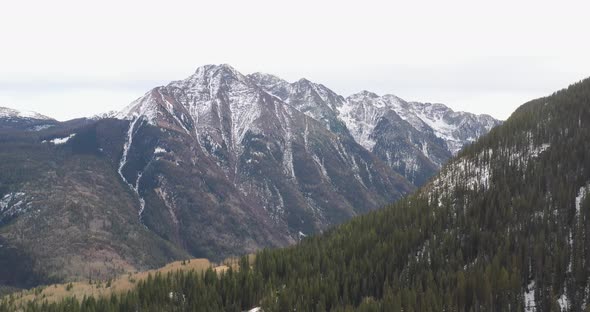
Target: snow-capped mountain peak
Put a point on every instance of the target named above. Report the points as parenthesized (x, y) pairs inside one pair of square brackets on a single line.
[(219, 97), (364, 94), (457, 128), (285, 153), (267, 79), (6, 112)]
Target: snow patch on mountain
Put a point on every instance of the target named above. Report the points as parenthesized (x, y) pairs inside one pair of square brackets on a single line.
[(59, 141), (12, 204), (145, 107), (529, 298), (466, 173), (433, 131), (563, 302), (361, 116), (580, 198), (167, 198), (41, 127), (219, 106), (521, 157), (6, 112), (123, 162)]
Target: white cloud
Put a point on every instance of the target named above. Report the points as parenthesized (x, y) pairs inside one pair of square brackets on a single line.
[(423, 50)]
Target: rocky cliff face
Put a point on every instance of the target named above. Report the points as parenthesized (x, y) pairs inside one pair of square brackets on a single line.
[(413, 138), (273, 164)]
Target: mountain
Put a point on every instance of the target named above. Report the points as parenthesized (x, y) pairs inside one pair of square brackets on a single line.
[(64, 212), (9, 113), (214, 165), (414, 139), (216, 143), (24, 120), (314, 100), (503, 227), (210, 166)]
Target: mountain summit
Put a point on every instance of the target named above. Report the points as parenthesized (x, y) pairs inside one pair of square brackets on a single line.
[(6, 112), (295, 157), (502, 227), (286, 169), (214, 165), (24, 120), (413, 138)]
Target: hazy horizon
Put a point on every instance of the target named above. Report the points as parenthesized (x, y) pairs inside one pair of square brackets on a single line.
[(89, 58)]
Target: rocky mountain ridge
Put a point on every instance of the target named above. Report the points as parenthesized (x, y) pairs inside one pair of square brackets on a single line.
[(214, 165), (413, 138)]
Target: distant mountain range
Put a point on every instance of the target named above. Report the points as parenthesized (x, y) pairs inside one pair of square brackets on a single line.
[(24, 120), (502, 227), (217, 164), (413, 138)]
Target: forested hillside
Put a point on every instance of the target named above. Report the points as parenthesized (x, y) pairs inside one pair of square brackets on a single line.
[(503, 227)]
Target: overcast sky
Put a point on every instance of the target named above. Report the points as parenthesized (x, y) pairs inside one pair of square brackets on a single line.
[(69, 59)]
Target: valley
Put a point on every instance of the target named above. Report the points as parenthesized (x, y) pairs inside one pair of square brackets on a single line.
[(501, 227), (219, 164)]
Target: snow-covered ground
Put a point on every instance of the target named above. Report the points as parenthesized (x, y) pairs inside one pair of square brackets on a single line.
[(529, 298), (563, 302)]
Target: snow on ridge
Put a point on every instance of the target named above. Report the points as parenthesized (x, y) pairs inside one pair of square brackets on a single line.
[(424, 117), (6, 112), (418, 114), (434, 115), (243, 103), (447, 124), (41, 127), (145, 106), (360, 119)]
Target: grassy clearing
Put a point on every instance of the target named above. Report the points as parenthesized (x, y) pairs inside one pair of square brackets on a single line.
[(121, 284)]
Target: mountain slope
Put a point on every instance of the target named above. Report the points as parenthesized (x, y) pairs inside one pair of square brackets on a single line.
[(211, 166), (64, 212), (503, 227), (273, 163), (6, 112), (314, 100), (12, 119), (414, 139)]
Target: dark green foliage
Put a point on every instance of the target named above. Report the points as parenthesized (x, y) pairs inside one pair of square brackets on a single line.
[(468, 241)]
